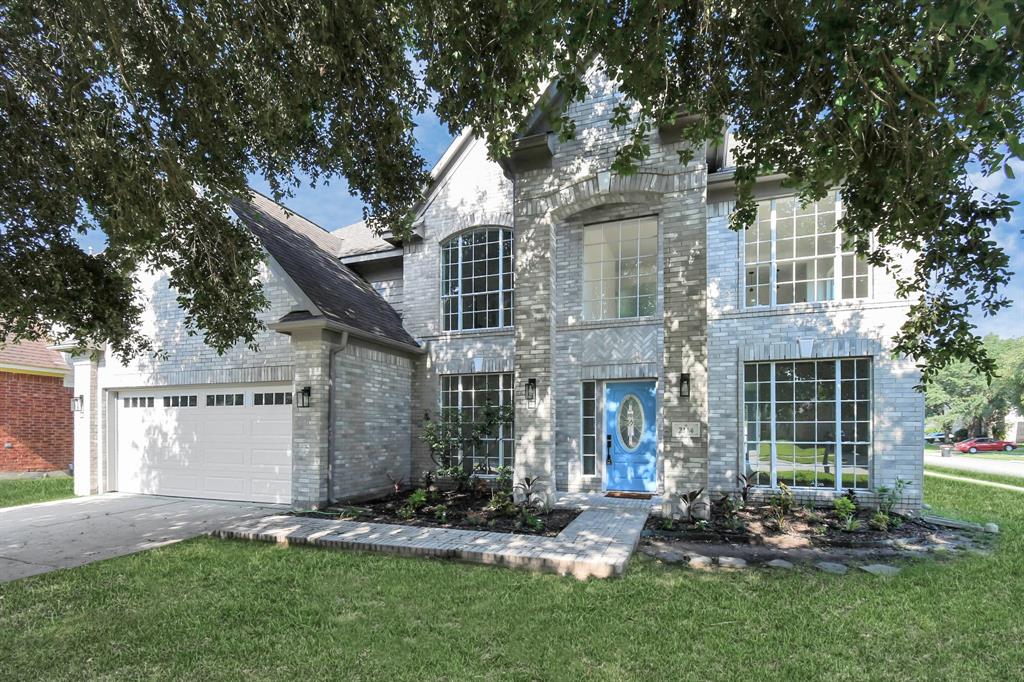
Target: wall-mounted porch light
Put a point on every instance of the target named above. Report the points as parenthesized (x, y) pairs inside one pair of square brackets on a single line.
[(684, 385), (77, 403), (302, 396), (531, 391)]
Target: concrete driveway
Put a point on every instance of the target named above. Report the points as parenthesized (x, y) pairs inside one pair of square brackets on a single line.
[(37, 538)]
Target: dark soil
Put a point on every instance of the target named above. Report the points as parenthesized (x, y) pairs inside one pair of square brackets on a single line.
[(463, 510), (802, 528)]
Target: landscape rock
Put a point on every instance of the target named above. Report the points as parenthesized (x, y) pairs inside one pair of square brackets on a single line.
[(699, 561), (884, 570), (832, 567), (991, 528), (780, 563), (669, 556), (731, 562)]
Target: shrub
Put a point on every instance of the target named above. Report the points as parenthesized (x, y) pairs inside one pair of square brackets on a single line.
[(845, 509), (879, 521)]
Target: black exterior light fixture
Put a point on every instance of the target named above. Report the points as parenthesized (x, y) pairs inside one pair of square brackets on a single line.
[(302, 396), (531, 391), (684, 385)]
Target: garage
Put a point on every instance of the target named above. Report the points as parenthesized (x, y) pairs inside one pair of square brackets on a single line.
[(215, 442)]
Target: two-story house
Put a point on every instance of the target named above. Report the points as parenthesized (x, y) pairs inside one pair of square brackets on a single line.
[(644, 345)]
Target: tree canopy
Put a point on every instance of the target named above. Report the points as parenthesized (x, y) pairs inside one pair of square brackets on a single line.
[(961, 397), (143, 117)]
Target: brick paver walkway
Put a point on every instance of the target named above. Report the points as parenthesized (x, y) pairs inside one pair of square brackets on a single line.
[(597, 544)]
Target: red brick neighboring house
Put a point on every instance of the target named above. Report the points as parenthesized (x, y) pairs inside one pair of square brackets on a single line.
[(36, 431)]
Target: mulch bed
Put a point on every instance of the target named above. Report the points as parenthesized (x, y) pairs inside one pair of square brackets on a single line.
[(805, 529), (462, 510)]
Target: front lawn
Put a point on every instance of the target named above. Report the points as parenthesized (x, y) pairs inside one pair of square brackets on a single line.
[(28, 490), (210, 609), (979, 475)]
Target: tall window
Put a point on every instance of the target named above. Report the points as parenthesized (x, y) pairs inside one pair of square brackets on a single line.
[(795, 254), (471, 393), (476, 280), (589, 428), (620, 269), (799, 415)]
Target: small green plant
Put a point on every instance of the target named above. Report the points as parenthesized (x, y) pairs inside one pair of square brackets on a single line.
[(845, 509), (730, 512), (441, 513), (503, 479), (531, 520), (890, 498), (747, 482), (687, 502), (474, 518), (668, 523), (783, 500), (879, 521), (851, 525), (416, 501), (529, 488)]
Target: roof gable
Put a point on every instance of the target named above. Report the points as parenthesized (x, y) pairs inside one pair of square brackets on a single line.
[(308, 254)]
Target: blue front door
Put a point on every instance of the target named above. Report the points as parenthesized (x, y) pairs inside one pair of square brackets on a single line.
[(631, 441)]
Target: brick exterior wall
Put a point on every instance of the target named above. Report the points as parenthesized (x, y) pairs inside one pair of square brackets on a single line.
[(828, 330), (474, 193), (372, 422), (36, 429)]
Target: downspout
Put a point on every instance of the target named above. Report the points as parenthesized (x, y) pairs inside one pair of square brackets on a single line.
[(330, 415)]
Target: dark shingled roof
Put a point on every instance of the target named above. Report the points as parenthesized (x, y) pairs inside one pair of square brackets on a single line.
[(307, 253)]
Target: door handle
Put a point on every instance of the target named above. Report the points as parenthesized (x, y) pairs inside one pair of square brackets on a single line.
[(608, 441)]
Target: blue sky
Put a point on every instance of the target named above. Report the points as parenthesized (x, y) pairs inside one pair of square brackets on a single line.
[(331, 206)]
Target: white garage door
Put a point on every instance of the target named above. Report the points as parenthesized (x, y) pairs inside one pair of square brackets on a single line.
[(221, 442)]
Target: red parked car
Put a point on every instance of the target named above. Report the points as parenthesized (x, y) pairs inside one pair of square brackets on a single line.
[(973, 445)]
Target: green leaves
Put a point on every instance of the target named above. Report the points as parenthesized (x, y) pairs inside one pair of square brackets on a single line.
[(115, 113)]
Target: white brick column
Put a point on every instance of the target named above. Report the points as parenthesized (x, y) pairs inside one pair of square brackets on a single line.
[(310, 456)]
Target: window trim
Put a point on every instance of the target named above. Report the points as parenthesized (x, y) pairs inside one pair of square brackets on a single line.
[(837, 275), (838, 439), (658, 285), (503, 293), (501, 438), (583, 433)]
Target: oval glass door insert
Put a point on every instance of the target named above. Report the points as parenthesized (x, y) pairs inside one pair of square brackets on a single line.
[(631, 422)]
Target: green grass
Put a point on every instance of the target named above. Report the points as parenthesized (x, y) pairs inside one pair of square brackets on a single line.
[(981, 476), (28, 490), (210, 609), (994, 455)]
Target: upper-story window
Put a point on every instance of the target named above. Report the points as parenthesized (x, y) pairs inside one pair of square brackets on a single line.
[(620, 269), (477, 280), (795, 254)]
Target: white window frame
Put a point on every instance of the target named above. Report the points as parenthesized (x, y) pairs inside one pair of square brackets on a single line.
[(506, 381), (503, 293), (773, 266), (601, 317), (838, 442), (583, 432)]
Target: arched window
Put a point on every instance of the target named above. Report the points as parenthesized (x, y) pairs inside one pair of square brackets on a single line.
[(477, 279)]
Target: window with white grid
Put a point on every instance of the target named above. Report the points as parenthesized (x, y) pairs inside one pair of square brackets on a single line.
[(799, 415), (620, 269), (589, 428), (795, 254), (477, 280), (471, 393)]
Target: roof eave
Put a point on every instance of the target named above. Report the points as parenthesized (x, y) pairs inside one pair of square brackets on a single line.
[(321, 322)]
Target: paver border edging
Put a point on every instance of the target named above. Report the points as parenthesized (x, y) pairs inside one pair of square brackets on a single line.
[(597, 544)]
